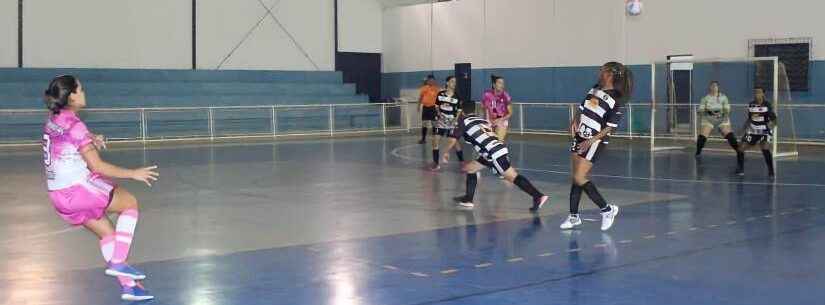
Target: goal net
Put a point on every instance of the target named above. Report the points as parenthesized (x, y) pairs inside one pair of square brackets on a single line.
[(678, 87)]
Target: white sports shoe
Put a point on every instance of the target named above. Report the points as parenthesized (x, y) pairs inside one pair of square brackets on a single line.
[(609, 216), (466, 204), (571, 222)]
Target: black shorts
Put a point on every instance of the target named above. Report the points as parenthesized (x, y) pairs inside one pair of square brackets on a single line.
[(446, 132), (428, 113), (500, 164), (754, 139), (593, 153)]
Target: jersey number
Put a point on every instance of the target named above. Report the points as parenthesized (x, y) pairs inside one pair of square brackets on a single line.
[(47, 155), (585, 131)]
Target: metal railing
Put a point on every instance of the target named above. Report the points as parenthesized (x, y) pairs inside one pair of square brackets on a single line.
[(23, 126), (799, 123)]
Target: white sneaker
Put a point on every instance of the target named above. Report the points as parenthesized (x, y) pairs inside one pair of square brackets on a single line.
[(571, 222), (609, 216), (466, 204)]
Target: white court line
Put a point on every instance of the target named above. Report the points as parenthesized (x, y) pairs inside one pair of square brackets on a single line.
[(41, 235), (396, 153)]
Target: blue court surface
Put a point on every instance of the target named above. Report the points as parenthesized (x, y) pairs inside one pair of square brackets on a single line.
[(361, 221)]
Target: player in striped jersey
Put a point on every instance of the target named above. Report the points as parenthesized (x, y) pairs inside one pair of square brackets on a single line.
[(759, 129), (599, 114), (493, 154), (448, 107)]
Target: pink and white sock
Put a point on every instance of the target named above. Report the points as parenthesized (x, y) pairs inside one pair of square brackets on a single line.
[(124, 230), (107, 248)]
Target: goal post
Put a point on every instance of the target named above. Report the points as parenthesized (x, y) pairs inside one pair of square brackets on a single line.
[(679, 85)]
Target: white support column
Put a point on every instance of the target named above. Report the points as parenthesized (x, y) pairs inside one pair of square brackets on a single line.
[(653, 107), (274, 121), (331, 120), (384, 117), (630, 120), (775, 107), (143, 125), (211, 124)]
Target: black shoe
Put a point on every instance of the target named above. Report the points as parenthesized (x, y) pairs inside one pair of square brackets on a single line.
[(460, 199), (771, 175), (740, 171), (421, 142), (539, 202)]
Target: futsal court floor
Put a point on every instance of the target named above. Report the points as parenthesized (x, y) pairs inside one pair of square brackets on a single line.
[(362, 221)]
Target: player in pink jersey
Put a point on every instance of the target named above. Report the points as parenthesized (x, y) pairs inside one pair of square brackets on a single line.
[(79, 187), (498, 107)]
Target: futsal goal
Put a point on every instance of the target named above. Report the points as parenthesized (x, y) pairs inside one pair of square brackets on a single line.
[(677, 87)]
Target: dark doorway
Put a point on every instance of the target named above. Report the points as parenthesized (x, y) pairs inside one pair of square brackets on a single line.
[(464, 81), (362, 69)]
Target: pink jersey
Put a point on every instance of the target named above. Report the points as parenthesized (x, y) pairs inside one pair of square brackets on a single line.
[(496, 103), (64, 135)]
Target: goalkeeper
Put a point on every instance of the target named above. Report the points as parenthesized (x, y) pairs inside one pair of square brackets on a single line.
[(714, 113)]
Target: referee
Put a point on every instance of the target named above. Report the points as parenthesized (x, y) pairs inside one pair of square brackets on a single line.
[(426, 100)]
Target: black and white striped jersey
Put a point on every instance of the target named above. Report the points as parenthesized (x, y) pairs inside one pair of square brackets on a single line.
[(448, 108), (759, 117), (599, 110), (479, 133)]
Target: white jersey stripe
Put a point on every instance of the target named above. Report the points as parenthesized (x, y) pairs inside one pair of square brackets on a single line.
[(592, 150), (587, 121), (606, 98)]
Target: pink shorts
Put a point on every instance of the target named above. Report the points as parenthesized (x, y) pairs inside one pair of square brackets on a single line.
[(84, 201)]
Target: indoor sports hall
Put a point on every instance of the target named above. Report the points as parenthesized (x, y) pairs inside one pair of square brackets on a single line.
[(390, 152)]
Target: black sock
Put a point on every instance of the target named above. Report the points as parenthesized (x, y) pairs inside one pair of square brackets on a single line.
[(594, 195), (575, 198), (700, 144), (423, 133), (436, 154), (460, 154), (732, 141), (740, 160), (472, 180), (527, 187), (768, 159)]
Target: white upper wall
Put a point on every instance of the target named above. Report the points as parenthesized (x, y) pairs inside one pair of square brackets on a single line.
[(359, 26), (558, 33), (8, 33), (105, 34), (222, 25), (709, 28), (157, 34)]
